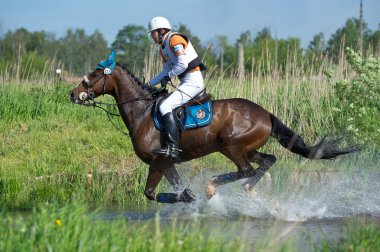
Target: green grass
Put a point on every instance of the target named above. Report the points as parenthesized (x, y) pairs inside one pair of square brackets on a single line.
[(361, 235), (49, 145), (71, 228)]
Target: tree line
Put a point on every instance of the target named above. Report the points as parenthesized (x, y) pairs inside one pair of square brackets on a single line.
[(78, 52)]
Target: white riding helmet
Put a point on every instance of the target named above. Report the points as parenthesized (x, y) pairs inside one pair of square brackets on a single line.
[(157, 23)]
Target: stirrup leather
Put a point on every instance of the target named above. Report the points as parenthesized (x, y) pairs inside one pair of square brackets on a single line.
[(168, 151)]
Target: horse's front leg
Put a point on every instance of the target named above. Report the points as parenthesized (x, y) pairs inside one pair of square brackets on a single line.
[(156, 171), (173, 178), (165, 167)]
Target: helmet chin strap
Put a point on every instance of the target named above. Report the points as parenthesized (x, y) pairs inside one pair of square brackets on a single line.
[(162, 34), (160, 37)]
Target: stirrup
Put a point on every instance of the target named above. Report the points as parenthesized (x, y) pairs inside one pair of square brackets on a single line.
[(168, 151)]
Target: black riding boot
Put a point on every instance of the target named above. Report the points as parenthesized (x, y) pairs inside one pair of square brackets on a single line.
[(172, 137)]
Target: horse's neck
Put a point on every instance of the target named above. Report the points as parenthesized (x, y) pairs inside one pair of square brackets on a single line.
[(126, 94)]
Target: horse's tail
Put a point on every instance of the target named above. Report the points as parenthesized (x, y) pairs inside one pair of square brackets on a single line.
[(325, 149)]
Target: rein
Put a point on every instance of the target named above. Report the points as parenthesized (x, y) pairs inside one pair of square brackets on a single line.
[(95, 104)]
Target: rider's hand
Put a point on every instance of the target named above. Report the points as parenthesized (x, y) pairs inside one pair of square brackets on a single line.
[(165, 81), (146, 85)]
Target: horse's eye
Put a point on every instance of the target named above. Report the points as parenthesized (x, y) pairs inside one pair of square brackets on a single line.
[(94, 74)]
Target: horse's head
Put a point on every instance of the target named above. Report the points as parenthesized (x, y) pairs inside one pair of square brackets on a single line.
[(96, 83)]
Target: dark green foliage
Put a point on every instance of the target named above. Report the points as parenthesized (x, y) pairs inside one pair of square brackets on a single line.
[(76, 52), (132, 46), (358, 106), (80, 52)]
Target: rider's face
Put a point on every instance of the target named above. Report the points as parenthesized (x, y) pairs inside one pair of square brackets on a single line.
[(155, 35)]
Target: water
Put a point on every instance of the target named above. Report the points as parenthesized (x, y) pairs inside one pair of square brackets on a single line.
[(296, 206)]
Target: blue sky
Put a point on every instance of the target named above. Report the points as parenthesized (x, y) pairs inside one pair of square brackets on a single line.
[(204, 18)]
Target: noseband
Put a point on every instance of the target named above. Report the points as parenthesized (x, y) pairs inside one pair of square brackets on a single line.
[(88, 87)]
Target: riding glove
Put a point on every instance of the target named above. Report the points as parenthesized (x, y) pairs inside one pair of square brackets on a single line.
[(165, 81), (146, 85)]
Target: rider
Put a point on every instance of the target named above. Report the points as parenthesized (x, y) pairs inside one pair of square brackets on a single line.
[(179, 59)]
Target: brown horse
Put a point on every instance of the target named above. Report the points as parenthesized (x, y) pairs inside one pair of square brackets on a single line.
[(238, 129)]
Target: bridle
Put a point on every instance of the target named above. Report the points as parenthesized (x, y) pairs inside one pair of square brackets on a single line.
[(90, 93), (86, 84), (89, 99)]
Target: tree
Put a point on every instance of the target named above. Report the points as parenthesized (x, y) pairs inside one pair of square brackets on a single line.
[(244, 39), (132, 46), (195, 41), (260, 50), (347, 36), (263, 35), (98, 47), (373, 41), (79, 51), (205, 53), (318, 44), (72, 52), (15, 42)]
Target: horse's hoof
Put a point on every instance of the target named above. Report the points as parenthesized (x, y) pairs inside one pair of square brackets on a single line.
[(249, 190), (247, 187), (187, 196), (210, 190)]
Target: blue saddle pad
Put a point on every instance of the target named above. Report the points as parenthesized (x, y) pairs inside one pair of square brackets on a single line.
[(196, 116)]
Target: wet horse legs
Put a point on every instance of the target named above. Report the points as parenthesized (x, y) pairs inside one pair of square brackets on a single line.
[(265, 161), (166, 168), (175, 181)]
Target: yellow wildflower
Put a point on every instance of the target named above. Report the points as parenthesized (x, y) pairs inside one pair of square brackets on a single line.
[(58, 222)]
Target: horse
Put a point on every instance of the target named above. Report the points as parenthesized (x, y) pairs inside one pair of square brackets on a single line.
[(238, 129)]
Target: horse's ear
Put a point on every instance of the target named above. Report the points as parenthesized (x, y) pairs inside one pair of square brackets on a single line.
[(108, 63), (111, 57)]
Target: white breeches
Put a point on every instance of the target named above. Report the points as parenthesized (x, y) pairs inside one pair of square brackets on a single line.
[(191, 85)]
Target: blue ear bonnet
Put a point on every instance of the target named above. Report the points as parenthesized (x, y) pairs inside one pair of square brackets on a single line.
[(108, 63)]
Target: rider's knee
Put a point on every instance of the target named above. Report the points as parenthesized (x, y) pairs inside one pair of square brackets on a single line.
[(166, 107), (150, 194)]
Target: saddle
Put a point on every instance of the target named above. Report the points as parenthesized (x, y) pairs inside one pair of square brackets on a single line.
[(194, 114)]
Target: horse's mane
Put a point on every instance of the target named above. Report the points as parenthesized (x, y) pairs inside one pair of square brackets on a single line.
[(124, 67)]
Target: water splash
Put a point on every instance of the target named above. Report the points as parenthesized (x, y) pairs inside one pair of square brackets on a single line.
[(287, 196)]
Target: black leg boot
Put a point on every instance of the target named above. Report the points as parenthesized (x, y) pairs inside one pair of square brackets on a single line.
[(172, 138)]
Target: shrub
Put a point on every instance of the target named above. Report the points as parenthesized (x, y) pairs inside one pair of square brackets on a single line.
[(358, 105)]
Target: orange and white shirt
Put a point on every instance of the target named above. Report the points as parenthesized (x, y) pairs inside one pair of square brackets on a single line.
[(177, 52)]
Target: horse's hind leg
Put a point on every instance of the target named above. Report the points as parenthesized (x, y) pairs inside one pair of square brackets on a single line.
[(265, 161), (245, 170)]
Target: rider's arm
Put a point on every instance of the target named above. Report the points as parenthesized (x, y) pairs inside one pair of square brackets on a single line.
[(165, 70), (178, 45)]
